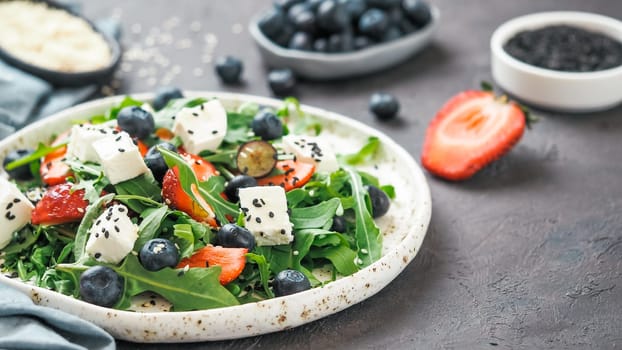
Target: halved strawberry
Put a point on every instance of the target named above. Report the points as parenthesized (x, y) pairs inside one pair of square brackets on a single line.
[(472, 129), (53, 170), (174, 194), (295, 174), (60, 205), (230, 260)]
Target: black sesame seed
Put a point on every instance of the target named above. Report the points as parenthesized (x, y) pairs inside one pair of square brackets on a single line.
[(116, 228), (190, 132), (17, 200), (214, 132), (121, 209), (195, 114), (283, 231), (258, 220), (98, 255), (9, 216), (107, 234), (9, 206), (121, 150), (271, 214)]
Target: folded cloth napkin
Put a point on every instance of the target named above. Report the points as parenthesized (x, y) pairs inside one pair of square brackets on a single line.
[(25, 98), (24, 325)]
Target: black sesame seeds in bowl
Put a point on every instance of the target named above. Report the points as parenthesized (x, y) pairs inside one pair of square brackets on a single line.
[(560, 61), (334, 39)]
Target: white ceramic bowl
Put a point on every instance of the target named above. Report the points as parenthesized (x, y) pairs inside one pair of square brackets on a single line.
[(550, 89), (403, 229), (331, 66)]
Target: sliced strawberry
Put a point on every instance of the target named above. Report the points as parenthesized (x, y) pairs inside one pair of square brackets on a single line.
[(295, 174), (471, 130), (53, 170), (60, 205), (175, 196), (230, 260)]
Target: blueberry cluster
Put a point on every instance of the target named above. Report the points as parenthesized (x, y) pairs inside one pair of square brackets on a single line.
[(335, 26)]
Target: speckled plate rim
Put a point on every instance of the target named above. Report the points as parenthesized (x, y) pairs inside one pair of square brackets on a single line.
[(255, 318)]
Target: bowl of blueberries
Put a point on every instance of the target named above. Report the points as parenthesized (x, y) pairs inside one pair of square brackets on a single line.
[(334, 39)]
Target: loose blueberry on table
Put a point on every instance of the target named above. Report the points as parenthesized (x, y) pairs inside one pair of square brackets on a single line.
[(229, 69), (384, 106)]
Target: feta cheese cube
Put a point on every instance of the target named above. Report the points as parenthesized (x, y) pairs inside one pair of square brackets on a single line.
[(202, 127), (16, 211), (119, 157), (112, 236), (265, 214), (81, 140), (312, 150)]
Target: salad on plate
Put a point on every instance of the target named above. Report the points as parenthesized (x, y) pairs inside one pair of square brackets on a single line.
[(183, 199)]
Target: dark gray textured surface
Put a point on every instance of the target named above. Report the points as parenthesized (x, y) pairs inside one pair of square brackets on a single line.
[(528, 254)]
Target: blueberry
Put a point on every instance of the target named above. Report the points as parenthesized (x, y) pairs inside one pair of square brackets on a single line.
[(362, 42), (296, 10), (155, 162), (342, 42), (271, 23), (339, 224), (305, 22), (396, 15), (407, 27), (285, 35), (101, 285), (158, 253), (237, 182), (384, 4), (355, 8), (136, 121), (23, 172), (267, 125), (384, 106), (286, 4), (301, 41), (391, 34), (164, 95), (332, 16), (374, 22), (282, 81), (380, 202), (229, 69), (289, 282), (234, 236), (320, 45), (418, 12), (314, 4)]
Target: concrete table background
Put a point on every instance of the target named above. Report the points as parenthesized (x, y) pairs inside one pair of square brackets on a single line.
[(527, 254)]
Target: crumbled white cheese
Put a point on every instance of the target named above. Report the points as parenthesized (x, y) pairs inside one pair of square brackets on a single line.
[(112, 236), (51, 38), (265, 214), (120, 157), (16, 210)]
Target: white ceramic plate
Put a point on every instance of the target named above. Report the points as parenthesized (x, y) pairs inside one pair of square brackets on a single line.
[(403, 228), (331, 66)]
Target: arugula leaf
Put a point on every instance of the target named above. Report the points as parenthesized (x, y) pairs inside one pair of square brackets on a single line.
[(144, 185), (82, 234), (340, 256), (302, 244), (226, 157), (317, 216), (365, 153), (185, 239), (264, 271), (209, 190), (164, 117), (389, 190), (195, 289), (148, 228), (41, 151), (22, 239), (238, 128), (367, 235)]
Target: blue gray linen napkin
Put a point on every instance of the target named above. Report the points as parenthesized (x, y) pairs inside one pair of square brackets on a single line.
[(25, 98), (24, 325)]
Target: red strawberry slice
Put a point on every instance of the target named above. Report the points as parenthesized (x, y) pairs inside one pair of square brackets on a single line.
[(53, 170), (230, 260), (295, 174), (175, 196), (472, 129), (60, 205)]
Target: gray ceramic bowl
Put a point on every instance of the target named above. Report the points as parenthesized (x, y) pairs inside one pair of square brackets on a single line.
[(329, 66), (59, 78)]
